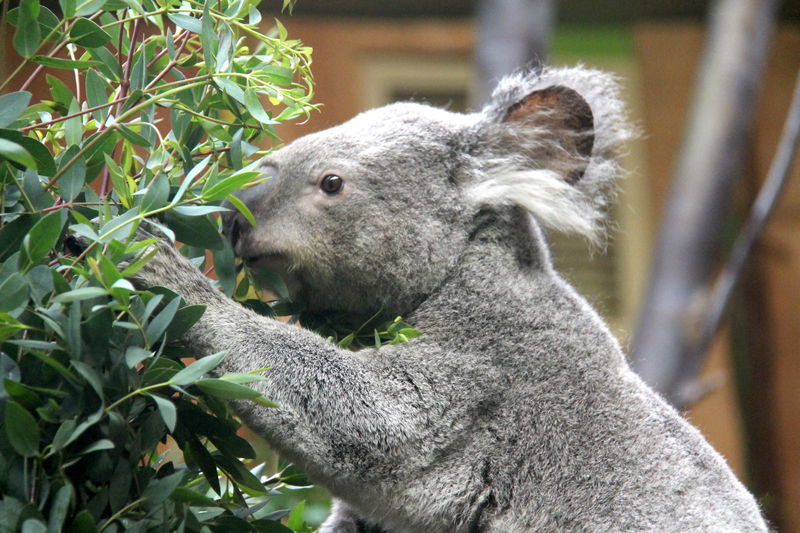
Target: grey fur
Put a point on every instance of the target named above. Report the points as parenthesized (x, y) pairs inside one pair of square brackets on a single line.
[(515, 410)]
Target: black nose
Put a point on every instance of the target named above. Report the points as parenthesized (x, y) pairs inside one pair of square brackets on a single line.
[(234, 225)]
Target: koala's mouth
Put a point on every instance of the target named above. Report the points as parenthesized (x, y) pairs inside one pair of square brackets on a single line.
[(276, 264), (272, 261)]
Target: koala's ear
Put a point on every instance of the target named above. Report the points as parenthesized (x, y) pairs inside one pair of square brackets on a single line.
[(562, 125), (549, 141)]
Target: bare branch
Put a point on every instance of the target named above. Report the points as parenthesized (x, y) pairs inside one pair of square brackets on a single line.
[(710, 162), (762, 208)]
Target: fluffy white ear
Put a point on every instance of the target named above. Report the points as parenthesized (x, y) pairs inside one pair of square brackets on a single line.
[(549, 142)]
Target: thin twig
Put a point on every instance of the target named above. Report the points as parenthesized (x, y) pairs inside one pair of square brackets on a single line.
[(108, 104), (762, 208), (56, 49), (165, 50), (172, 62), (72, 115)]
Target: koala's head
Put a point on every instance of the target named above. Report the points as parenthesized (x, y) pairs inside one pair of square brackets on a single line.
[(372, 215)]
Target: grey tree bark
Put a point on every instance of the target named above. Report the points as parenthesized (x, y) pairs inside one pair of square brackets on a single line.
[(690, 237), (511, 34)]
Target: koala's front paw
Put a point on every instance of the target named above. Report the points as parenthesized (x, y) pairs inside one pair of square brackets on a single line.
[(166, 267)]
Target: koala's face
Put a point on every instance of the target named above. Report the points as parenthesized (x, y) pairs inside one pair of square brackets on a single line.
[(365, 216), (372, 215)]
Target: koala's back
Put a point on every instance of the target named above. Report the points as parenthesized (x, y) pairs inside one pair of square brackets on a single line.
[(542, 426), (626, 461)]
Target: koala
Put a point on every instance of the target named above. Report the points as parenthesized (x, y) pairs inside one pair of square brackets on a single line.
[(515, 410)]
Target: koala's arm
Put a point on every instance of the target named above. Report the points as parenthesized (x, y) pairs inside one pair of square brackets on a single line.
[(339, 409)]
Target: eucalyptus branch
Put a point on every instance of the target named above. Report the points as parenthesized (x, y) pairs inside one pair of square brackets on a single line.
[(26, 60), (131, 112), (170, 166), (55, 50), (172, 62)]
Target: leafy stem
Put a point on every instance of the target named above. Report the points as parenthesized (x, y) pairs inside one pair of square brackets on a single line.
[(125, 116), (136, 392)]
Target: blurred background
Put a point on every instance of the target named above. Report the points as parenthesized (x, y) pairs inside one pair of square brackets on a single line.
[(693, 73), (450, 52)]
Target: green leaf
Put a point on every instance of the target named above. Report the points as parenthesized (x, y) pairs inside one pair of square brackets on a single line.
[(63, 434), (208, 39), (227, 185), (96, 93), (132, 136), (48, 21), (22, 394), (195, 231), (253, 105), (90, 375), (160, 371), (158, 325), (28, 35), (36, 345), (59, 91), (84, 293), (68, 7), (159, 490), (66, 64), (198, 210), (90, 7), (73, 127), (97, 446), (15, 152), (230, 88), (40, 239), (12, 105), (234, 468), (242, 208), (59, 509), (265, 402), (184, 319), (196, 370), (32, 525), (167, 410), (225, 267), (88, 34), (278, 74), (192, 497), (186, 22), (135, 355), (254, 16), (241, 379), (14, 291), (267, 278), (156, 195), (12, 234), (225, 389), (107, 63), (195, 171), (43, 160), (235, 153), (21, 429), (84, 521), (295, 520), (118, 227), (73, 178)]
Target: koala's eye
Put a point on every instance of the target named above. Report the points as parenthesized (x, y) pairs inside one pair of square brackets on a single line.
[(331, 184)]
